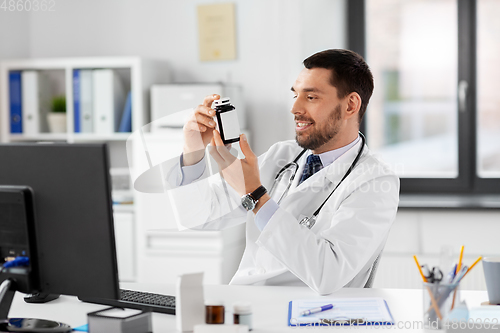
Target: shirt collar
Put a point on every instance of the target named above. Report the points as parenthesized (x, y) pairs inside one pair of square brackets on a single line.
[(330, 156)]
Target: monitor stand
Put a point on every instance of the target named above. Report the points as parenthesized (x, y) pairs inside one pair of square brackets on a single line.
[(7, 291), (40, 298)]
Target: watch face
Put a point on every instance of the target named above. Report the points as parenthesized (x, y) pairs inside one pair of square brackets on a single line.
[(247, 202)]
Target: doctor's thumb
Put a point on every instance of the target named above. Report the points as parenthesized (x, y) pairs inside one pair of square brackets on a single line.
[(245, 147)]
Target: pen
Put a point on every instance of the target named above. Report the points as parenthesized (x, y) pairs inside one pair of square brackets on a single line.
[(460, 275), (316, 310), (451, 274)]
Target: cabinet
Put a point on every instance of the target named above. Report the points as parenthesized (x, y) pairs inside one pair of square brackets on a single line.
[(164, 251)]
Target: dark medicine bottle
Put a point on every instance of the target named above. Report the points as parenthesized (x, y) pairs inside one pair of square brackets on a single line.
[(227, 120)]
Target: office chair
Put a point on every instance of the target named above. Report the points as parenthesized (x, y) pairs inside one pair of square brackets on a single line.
[(371, 278)]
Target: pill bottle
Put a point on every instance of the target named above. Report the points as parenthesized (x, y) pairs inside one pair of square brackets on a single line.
[(227, 120), (242, 314), (214, 312)]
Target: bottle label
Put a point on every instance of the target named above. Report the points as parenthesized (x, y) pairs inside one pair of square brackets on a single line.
[(229, 127)]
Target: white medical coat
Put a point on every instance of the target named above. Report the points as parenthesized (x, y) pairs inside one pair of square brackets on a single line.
[(338, 251)]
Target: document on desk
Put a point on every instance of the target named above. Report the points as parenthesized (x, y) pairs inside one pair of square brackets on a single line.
[(345, 312)]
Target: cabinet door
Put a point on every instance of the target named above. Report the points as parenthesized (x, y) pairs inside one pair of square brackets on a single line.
[(125, 245)]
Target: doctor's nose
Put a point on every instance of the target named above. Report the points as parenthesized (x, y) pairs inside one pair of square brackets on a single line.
[(297, 107)]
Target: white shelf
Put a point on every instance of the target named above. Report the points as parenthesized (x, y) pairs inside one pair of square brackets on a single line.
[(143, 73), (38, 137)]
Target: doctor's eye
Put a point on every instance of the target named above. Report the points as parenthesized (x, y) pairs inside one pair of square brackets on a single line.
[(294, 96)]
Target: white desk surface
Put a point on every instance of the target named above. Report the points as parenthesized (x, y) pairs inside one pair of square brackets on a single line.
[(270, 305)]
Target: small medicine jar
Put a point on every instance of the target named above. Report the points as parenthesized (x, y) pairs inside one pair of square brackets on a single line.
[(227, 120), (214, 312), (242, 314)]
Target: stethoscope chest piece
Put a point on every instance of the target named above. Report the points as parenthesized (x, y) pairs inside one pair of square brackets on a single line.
[(308, 222)]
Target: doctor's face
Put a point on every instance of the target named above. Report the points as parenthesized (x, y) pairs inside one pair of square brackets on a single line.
[(317, 110)]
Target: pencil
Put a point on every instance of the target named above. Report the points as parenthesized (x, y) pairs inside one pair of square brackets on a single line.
[(420, 269), (474, 264), (460, 260)]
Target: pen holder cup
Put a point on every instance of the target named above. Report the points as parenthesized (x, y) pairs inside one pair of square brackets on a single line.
[(439, 300)]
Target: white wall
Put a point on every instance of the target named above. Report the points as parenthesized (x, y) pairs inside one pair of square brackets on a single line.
[(14, 34), (273, 37), (436, 236)]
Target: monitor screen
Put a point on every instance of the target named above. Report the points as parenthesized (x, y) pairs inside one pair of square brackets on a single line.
[(73, 214)]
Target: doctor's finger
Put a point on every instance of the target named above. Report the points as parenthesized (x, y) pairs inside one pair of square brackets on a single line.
[(245, 148), (193, 125), (204, 120), (210, 99), (204, 111), (214, 152), (222, 148)]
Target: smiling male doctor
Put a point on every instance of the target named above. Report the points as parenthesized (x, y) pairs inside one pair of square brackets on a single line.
[(331, 95)]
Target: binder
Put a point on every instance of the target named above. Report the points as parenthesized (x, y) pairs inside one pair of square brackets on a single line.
[(35, 102), (76, 99), (15, 101), (126, 121), (109, 98), (345, 312), (86, 101)]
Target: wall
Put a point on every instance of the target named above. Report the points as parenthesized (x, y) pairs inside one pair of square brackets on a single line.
[(14, 34), (273, 37), (436, 236)]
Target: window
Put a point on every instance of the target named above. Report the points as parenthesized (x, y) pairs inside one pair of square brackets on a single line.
[(435, 112)]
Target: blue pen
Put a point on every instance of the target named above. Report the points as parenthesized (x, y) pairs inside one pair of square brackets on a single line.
[(316, 310), (460, 275), (451, 274)]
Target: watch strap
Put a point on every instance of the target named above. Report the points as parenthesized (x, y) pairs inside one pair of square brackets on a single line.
[(258, 193)]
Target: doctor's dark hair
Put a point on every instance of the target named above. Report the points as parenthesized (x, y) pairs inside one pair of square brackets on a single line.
[(350, 73)]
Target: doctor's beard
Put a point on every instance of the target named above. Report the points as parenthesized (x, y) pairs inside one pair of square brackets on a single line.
[(320, 133)]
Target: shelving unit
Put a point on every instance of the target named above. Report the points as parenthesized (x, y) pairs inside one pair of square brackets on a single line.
[(138, 75), (143, 73)]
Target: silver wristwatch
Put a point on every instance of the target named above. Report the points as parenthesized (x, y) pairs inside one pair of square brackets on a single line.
[(249, 201)]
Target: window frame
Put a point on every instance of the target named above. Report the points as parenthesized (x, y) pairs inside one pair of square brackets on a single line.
[(467, 181)]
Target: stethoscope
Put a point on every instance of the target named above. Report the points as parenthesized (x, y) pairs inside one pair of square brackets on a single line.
[(293, 167)]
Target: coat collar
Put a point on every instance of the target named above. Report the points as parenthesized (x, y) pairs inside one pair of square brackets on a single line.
[(332, 174)]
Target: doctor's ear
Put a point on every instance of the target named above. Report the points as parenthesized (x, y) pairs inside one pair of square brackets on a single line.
[(353, 104)]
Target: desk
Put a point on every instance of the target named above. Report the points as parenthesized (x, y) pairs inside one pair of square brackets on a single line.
[(270, 305)]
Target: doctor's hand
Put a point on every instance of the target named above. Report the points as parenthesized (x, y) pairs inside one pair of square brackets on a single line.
[(198, 131), (242, 175)]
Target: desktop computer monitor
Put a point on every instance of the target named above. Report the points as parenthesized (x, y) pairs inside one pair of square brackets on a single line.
[(70, 185)]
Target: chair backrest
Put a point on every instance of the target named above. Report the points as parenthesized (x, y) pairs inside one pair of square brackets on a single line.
[(373, 271)]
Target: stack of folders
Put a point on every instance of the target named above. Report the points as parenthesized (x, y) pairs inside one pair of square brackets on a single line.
[(100, 103), (29, 96), (117, 320)]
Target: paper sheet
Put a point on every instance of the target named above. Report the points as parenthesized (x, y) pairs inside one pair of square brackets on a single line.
[(370, 310)]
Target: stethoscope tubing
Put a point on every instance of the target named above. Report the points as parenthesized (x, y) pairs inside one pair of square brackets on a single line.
[(294, 164)]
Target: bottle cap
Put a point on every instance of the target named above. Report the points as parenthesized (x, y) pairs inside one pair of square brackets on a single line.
[(214, 302), (222, 101), (242, 307)]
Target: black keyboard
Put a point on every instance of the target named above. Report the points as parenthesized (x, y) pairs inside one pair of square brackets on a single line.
[(139, 300)]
